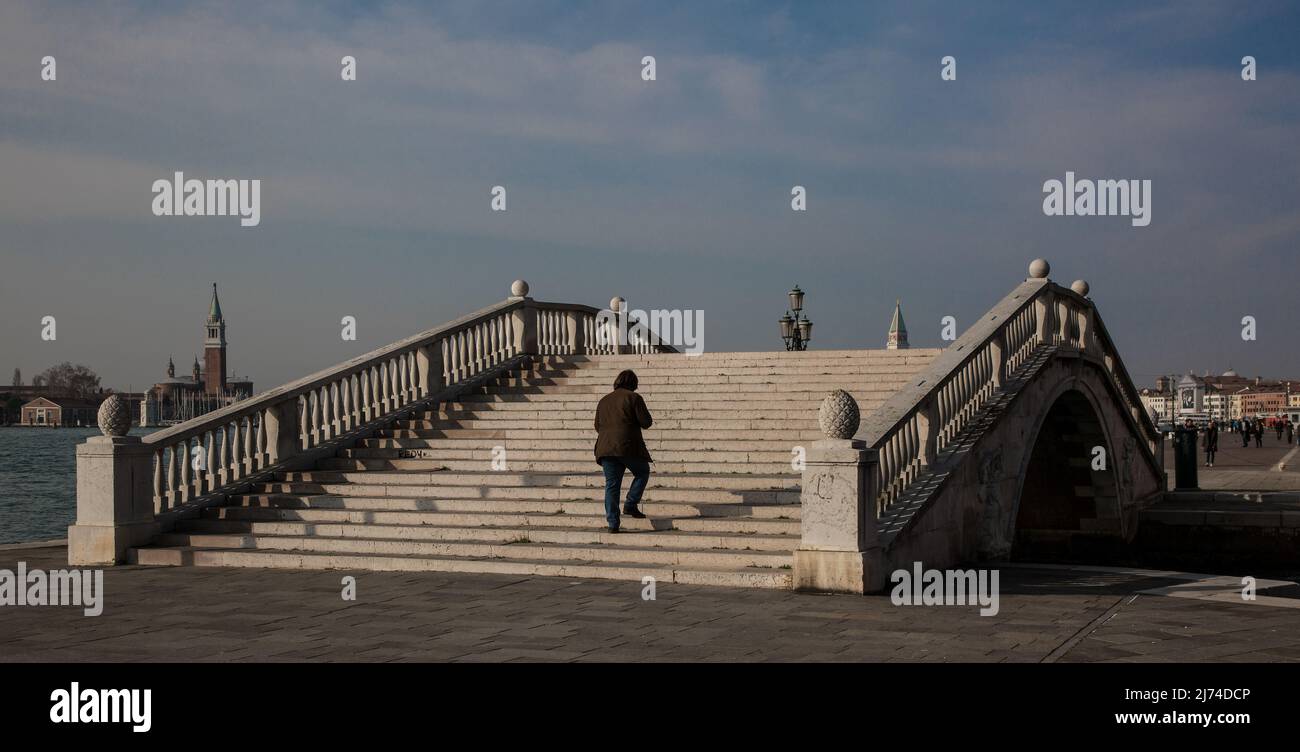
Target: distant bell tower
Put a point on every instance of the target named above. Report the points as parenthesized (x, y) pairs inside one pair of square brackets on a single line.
[(214, 349), (897, 330)]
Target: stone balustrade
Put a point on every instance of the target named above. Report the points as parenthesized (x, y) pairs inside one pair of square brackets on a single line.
[(131, 488)]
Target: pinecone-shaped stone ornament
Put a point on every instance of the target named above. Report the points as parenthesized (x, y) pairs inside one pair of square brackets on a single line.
[(114, 416), (839, 415)]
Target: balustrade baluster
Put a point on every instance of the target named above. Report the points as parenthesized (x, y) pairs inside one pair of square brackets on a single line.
[(173, 489), (304, 420), (159, 500), (238, 458), (223, 456), (354, 384), (187, 489)]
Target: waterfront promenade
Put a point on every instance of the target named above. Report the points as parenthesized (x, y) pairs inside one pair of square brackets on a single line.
[(1239, 468), (197, 614)]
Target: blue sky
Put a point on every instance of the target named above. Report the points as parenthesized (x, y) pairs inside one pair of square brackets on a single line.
[(672, 194)]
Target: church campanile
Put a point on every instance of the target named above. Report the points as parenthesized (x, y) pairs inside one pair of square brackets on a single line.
[(214, 349)]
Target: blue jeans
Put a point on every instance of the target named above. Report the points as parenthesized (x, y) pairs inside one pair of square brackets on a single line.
[(614, 467)]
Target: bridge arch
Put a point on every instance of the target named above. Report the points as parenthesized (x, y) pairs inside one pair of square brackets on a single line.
[(972, 513), (1070, 489)]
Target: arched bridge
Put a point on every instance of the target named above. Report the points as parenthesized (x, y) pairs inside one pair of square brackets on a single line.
[(1025, 437), (467, 447)]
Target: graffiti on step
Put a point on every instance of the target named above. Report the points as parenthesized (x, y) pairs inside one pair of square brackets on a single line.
[(414, 454)]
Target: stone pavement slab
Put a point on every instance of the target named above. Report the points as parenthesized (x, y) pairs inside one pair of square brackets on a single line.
[(194, 614)]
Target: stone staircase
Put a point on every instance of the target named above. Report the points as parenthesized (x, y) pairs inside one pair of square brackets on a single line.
[(423, 495)]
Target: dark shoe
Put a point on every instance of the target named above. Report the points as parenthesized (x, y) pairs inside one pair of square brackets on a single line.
[(613, 530), (634, 513)]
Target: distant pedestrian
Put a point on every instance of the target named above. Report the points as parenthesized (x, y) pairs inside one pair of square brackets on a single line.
[(1259, 434), (620, 416), (1290, 432), (1211, 443), (1245, 434), (1280, 429)]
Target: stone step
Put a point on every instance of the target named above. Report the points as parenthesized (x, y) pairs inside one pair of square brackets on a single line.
[(726, 577), (385, 447), (919, 354), (588, 434), (399, 479), (398, 510), (915, 358), (853, 386), (667, 413), (577, 462), (580, 450), (523, 548), (702, 378), (670, 376), (779, 424), (714, 399), (725, 393), (499, 519), (652, 494), (594, 533)]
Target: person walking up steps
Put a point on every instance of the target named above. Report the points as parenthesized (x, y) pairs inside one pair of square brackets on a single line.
[(620, 417)]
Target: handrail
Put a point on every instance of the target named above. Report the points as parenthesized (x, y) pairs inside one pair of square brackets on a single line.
[(306, 383), (228, 446), (919, 422)]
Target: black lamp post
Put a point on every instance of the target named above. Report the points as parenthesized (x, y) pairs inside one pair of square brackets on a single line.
[(796, 330)]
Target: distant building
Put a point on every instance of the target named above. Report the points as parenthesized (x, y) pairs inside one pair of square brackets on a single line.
[(206, 388), (897, 339), (1223, 398), (60, 412), (1263, 402), (1157, 402)]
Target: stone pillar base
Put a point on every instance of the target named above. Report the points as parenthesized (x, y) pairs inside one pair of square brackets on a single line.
[(106, 545), (114, 500), (838, 571)]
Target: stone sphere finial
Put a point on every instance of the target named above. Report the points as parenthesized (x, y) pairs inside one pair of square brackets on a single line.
[(1080, 286), (616, 304), (114, 416), (1039, 268), (839, 415), (519, 288)]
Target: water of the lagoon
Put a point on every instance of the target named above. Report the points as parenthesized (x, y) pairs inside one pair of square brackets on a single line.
[(38, 481)]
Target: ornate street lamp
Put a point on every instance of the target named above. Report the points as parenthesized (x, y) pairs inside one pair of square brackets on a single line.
[(796, 330)]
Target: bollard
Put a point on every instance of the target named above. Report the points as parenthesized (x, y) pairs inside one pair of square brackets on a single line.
[(1185, 459)]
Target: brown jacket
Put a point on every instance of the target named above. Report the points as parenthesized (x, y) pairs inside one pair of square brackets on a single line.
[(620, 416)]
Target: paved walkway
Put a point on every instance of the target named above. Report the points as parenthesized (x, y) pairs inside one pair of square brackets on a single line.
[(190, 614), (1238, 468)]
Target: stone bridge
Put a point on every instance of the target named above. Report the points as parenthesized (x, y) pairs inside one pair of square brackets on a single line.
[(467, 447)]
